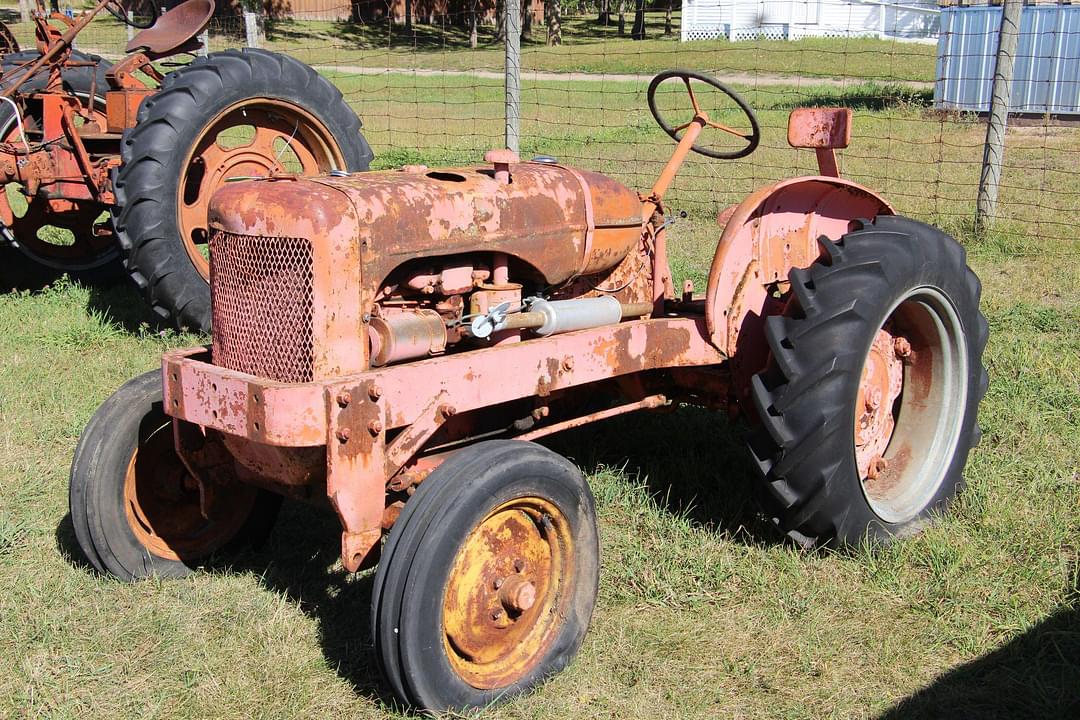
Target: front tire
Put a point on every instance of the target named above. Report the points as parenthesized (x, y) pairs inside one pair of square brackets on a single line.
[(133, 508), (237, 113), (488, 579), (868, 409)]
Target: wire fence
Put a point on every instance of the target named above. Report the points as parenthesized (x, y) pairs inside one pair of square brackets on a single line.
[(427, 79)]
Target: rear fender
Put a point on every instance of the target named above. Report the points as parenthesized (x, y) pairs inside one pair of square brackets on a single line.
[(772, 231)]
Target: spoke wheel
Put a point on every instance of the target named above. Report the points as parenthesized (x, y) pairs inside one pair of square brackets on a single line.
[(233, 114), (54, 236), (254, 138), (505, 592)]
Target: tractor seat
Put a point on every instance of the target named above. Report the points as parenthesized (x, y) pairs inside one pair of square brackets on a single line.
[(174, 29)]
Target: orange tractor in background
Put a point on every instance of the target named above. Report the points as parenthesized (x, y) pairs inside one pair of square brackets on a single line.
[(111, 167)]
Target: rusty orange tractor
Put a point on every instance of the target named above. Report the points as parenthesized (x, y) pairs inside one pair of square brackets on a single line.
[(102, 161), (393, 343)]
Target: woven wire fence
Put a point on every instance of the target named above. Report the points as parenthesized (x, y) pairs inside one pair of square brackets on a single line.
[(427, 79)]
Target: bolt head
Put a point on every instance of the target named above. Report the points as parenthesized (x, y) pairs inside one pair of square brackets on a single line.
[(902, 347), (375, 427), (344, 398), (568, 363), (374, 392), (496, 614), (447, 411), (519, 565), (498, 583), (525, 596), (343, 434)]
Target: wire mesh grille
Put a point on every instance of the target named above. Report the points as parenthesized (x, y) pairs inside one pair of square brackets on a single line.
[(261, 299)]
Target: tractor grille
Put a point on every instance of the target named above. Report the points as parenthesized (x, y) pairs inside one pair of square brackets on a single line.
[(261, 298)]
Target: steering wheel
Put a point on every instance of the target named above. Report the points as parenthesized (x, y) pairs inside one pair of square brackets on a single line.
[(116, 9), (686, 76)]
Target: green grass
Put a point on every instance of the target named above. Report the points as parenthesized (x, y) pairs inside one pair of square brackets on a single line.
[(587, 47), (702, 612)]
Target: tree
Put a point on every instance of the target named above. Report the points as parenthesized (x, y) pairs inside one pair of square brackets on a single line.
[(622, 17), (553, 15), (638, 32), (473, 23), (605, 12), (526, 19), (408, 15), (500, 21), (667, 18)]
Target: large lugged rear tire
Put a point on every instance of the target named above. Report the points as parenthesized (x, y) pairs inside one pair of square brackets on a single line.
[(488, 578), (133, 508), (868, 409), (236, 113)]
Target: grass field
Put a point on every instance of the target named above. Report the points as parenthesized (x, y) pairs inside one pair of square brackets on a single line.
[(703, 611), (587, 47)]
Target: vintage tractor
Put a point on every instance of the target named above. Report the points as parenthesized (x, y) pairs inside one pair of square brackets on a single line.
[(102, 160), (394, 342)]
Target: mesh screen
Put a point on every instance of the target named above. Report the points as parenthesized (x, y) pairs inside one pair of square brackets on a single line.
[(261, 298)]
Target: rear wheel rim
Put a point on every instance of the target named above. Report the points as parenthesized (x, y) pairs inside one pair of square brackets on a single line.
[(507, 593), (161, 502), (286, 139), (88, 248), (910, 405)]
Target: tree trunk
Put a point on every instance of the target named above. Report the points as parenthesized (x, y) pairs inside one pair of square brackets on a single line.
[(553, 11), (526, 19), (667, 18), (622, 18), (473, 22), (605, 12), (408, 16), (638, 32), (500, 21)]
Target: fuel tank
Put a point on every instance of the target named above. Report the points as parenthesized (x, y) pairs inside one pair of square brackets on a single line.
[(561, 221)]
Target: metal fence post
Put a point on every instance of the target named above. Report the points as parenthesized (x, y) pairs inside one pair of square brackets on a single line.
[(994, 149), (251, 28), (513, 74)]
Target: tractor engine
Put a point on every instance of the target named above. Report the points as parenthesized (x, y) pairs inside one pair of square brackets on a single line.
[(322, 277)]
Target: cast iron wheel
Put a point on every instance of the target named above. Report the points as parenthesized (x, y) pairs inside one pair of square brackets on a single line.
[(135, 508), (869, 408), (8, 43), (237, 113), (488, 579), (50, 238)]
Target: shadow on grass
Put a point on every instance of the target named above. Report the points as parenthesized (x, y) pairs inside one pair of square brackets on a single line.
[(123, 306), (692, 461), (300, 562), (1037, 675), (869, 96)]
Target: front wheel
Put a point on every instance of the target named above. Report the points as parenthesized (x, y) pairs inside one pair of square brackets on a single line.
[(234, 114), (488, 578), (135, 508), (868, 408)]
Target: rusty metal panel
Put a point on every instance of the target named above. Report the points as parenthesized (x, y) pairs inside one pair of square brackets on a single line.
[(122, 108)]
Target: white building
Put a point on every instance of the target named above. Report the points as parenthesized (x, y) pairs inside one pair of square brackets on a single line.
[(794, 19)]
